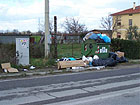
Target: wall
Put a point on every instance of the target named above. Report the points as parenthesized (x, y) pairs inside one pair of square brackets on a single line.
[(9, 39), (125, 24)]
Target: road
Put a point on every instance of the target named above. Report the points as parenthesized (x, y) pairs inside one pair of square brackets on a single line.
[(103, 87)]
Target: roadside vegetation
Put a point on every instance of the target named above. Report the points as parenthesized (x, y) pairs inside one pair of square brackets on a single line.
[(7, 54)]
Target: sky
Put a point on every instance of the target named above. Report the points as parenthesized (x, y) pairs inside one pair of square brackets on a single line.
[(26, 15)]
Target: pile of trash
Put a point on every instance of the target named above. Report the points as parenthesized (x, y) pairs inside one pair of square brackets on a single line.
[(111, 61), (95, 61), (98, 37), (6, 67)]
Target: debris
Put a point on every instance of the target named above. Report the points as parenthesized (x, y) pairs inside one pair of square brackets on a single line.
[(5, 70), (25, 69), (104, 62), (97, 67), (74, 68), (120, 54), (7, 67), (118, 57), (90, 60), (95, 57), (87, 60), (98, 37), (66, 59), (32, 67), (84, 58), (67, 64)]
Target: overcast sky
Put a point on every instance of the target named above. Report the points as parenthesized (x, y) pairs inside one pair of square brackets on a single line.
[(24, 14)]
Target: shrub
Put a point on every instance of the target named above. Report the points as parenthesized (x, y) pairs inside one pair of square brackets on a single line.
[(130, 48), (37, 50), (8, 53)]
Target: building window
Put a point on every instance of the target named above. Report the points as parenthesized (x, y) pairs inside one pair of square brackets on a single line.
[(119, 23), (118, 35), (130, 22)]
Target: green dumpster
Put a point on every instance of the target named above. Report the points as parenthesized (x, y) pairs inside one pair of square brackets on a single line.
[(91, 48)]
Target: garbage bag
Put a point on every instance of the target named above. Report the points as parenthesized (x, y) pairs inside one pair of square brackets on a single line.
[(87, 36), (111, 62), (95, 57), (122, 60), (118, 59), (99, 40), (93, 36), (67, 59), (98, 62), (72, 59), (104, 62), (106, 39), (100, 36), (113, 55), (84, 58)]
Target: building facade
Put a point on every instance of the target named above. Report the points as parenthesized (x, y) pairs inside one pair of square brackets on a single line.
[(11, 38), (124, 19)]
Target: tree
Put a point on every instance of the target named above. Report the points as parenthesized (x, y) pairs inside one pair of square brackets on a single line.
[(73, 26), (42, 27), (29, 32), (132, 33), (111, 24), (106, 23), (15, 31)]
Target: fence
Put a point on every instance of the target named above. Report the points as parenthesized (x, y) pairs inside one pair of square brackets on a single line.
[(8, 51)]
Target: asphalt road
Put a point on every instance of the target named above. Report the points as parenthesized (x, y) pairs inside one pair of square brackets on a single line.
[(72, 89)]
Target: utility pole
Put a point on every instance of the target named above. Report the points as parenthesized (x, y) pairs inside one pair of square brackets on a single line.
[(47, 32), (55, 36), (38, 24)]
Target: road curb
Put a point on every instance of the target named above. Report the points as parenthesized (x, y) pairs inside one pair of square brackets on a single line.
[(55, 72)]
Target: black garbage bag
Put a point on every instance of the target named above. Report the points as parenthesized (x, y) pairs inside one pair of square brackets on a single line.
[(104, 62), (118, 59), (122, 60), (111, 62), (113, 55), (98, 62)]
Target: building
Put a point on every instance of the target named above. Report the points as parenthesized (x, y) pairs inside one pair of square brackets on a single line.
[(123, 19), (11, 38)]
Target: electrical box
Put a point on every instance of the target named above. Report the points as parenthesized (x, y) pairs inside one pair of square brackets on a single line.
[(22, 51)]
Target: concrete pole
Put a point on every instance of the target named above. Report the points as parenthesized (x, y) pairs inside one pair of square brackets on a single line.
[(47, 32)]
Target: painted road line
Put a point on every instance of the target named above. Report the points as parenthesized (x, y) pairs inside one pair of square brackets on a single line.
[(36, 95), (109, 95), (112, 85), (23, 91), (67, 93), (26, 99)]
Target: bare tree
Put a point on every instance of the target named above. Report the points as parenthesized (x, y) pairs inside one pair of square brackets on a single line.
[(73, 26), (42, 26), (15, 31), (111, 24), (106, 23)]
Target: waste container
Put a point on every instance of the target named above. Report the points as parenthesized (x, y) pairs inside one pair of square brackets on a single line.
[(91, 48)]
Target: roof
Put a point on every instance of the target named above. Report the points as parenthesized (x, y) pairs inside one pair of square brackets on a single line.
[(128, 11), (12, 34)]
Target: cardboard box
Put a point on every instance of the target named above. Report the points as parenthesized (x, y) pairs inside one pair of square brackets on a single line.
[(66, 64), (120, 54), (8, 67), (86, 62)]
